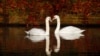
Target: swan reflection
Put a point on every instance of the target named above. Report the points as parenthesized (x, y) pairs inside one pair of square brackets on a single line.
[(40, 38), (36, 38), (68, 36), (57, 48)]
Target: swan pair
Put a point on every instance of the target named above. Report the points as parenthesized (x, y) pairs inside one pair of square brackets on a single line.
[(68, 33), (68, 29)]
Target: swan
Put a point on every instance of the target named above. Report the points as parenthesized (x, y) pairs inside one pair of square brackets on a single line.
[(39, 38), (68, 30), (39, 31), (71, 31)]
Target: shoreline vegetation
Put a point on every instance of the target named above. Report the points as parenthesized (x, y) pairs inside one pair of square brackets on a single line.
[(34, 12)]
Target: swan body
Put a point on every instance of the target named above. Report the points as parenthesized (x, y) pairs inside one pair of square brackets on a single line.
[(39, 31), (36, 31), (71, 29)]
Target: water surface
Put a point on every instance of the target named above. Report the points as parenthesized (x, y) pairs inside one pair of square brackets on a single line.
[(13, 42)]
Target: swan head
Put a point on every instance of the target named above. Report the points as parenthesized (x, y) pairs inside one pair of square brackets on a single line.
[(56, 17), (48, 18)]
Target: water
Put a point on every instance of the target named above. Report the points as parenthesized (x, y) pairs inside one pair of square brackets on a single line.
[(13, 42)]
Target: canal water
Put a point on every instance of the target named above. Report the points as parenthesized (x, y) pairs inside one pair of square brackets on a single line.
[(15, 42)]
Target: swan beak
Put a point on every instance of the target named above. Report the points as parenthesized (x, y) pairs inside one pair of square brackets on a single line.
[(50, 20), (53, 19)]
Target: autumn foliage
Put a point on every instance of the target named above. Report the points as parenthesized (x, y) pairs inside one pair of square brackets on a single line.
[(39, 9)]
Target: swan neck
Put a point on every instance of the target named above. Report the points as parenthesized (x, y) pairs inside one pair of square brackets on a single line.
[(58, 26), (47, 27)]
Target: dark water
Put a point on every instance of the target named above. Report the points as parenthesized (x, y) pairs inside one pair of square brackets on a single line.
[(13, 42)]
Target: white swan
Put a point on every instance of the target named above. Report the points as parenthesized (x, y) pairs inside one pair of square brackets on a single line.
[(39, 31), (66, 30)]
